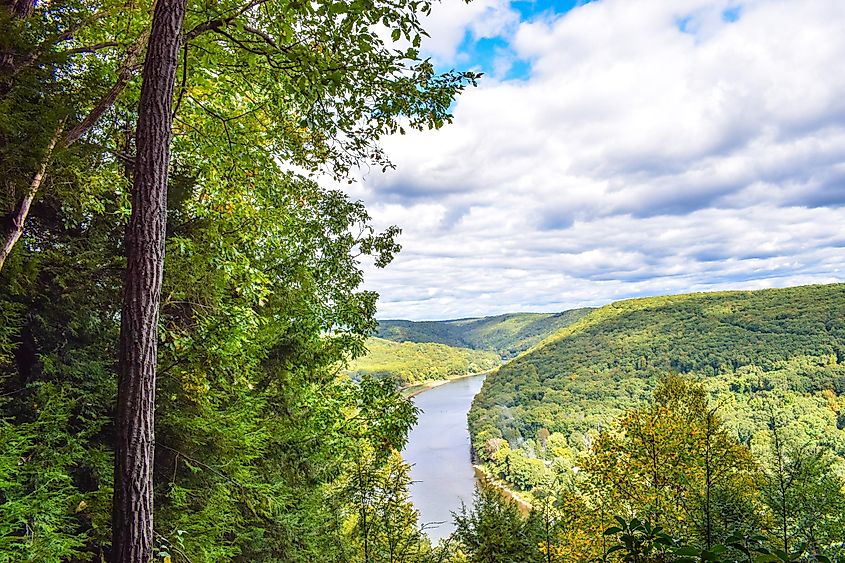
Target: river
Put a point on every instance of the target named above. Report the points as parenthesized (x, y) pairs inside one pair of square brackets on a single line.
[(438, 451)]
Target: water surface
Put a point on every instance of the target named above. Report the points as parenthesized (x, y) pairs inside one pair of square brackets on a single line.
[(438, 451)]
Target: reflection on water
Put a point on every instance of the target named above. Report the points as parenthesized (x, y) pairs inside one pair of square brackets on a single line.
[(438, 451)]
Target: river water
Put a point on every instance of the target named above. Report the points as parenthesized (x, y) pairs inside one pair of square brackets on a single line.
[(438, 451)]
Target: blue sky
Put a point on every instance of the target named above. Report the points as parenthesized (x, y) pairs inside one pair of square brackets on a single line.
[(620, 148), (483, 52)]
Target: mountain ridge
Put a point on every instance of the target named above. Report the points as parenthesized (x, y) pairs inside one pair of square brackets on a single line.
[(508, 334)]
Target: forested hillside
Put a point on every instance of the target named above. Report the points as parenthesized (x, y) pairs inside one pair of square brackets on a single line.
[(781, 341), (667, 481), (410, 362), (783, 346), (508, 335), (414, 351), (713, 420)]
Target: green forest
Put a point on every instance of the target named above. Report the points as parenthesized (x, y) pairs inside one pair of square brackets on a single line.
[(508, 335), (713, 417), (410, 352), (179, 294), (411, 362)]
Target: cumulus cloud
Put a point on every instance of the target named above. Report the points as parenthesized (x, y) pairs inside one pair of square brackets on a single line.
[(657, 147), (450, 22)]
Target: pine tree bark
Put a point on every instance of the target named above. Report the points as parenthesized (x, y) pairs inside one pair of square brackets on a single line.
[(132, 519), (20, 8)]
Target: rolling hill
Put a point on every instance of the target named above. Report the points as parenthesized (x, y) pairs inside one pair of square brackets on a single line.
[(753, 349), (508, 335), (415, 351), (412, 362)]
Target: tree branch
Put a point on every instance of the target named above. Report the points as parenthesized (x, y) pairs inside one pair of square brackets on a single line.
[(220, 22), (184, 84), (266, 37), (64, 36), (19, 219), (127, 72), (91, 48)]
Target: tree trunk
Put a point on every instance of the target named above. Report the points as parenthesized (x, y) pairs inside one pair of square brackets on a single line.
[(132, 524), (20, 8)]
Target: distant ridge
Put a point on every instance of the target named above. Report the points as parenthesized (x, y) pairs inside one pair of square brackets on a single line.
[(508, 335)]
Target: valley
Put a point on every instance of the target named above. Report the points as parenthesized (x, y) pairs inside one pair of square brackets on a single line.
[(759, 374)]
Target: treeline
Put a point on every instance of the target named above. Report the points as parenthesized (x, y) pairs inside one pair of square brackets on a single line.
[(410, 362), (508, 335)]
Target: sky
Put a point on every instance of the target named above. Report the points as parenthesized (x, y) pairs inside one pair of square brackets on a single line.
[(616, 149)]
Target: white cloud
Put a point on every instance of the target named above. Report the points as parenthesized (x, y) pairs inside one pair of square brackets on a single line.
[(450, 21), (639, 158)]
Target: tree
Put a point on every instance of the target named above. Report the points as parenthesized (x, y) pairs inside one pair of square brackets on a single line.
[(494, 531), (61, 70), (669, 461), (725, 500), (567, 526), (316, 85), (254, 425), (256, 431), (802, 491), (132, 525), (341, 131), (261, 84), (386, 522)]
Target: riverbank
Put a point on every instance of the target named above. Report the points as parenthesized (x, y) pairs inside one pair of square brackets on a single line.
[(487, 480), (415, 389)]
